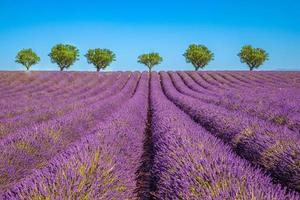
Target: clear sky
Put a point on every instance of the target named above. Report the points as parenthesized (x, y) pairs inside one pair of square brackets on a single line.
[(132, 27)]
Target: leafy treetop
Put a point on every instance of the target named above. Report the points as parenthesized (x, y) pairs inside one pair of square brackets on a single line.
[(27, 57), (64, 55), (101, 58), (253, 57), (150, 59), (198, 55)]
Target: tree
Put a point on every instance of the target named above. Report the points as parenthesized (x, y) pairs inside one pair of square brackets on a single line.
[(101, 58), (253, 57), (150, 59), (198, 55), (27, 57), (64, 55)]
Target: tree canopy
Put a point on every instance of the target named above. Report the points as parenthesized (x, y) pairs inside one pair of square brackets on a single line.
[(198, 55), (64, 55), (100, 58), (27, 57), (253, 57), (150, 59)]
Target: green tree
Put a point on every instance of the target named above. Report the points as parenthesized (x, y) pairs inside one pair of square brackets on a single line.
[(198, 55), (253, 57), (64, 55), (101, 58), (27, 57), (150, 60)]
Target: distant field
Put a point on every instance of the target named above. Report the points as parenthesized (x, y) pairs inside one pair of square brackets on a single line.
[(168, 135)]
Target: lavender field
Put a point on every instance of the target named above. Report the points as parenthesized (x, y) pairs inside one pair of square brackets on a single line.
[(167, 135)]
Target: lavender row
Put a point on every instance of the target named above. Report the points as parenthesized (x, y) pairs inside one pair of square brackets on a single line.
[(63, 85), (32, 103), (45, 138), (35, 83), (279, 112), (227, 84), (31, 98), (274, 148), (27, 81), (254, 79), (288, 77), (286, 109), (244, 82), (280, 116), (230, 83), (88, 108), (56, 91), (46, 112), (9, 79), (202, 83), (263, 89), (242, 95), (271, 78), (190, 163), (215, 84), (35, 99), (56, 113), (279, 96), (101, 165), (286, 90), (31, 148), (264, 78)]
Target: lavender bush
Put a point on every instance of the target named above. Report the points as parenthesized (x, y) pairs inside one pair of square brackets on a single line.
[(131, 135), (275, 148), (190, 163)]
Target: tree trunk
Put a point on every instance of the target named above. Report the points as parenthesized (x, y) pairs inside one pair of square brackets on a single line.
[(61, 69), (98, 69)]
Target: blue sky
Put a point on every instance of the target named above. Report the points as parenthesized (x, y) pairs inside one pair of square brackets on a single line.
[(132, 27)]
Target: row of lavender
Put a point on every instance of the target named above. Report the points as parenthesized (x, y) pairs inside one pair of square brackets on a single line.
[(279, 105), (31, 146), (49, 86), (45, 110), (100, 165), (275, 148), (190, 163), (120, 143)]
